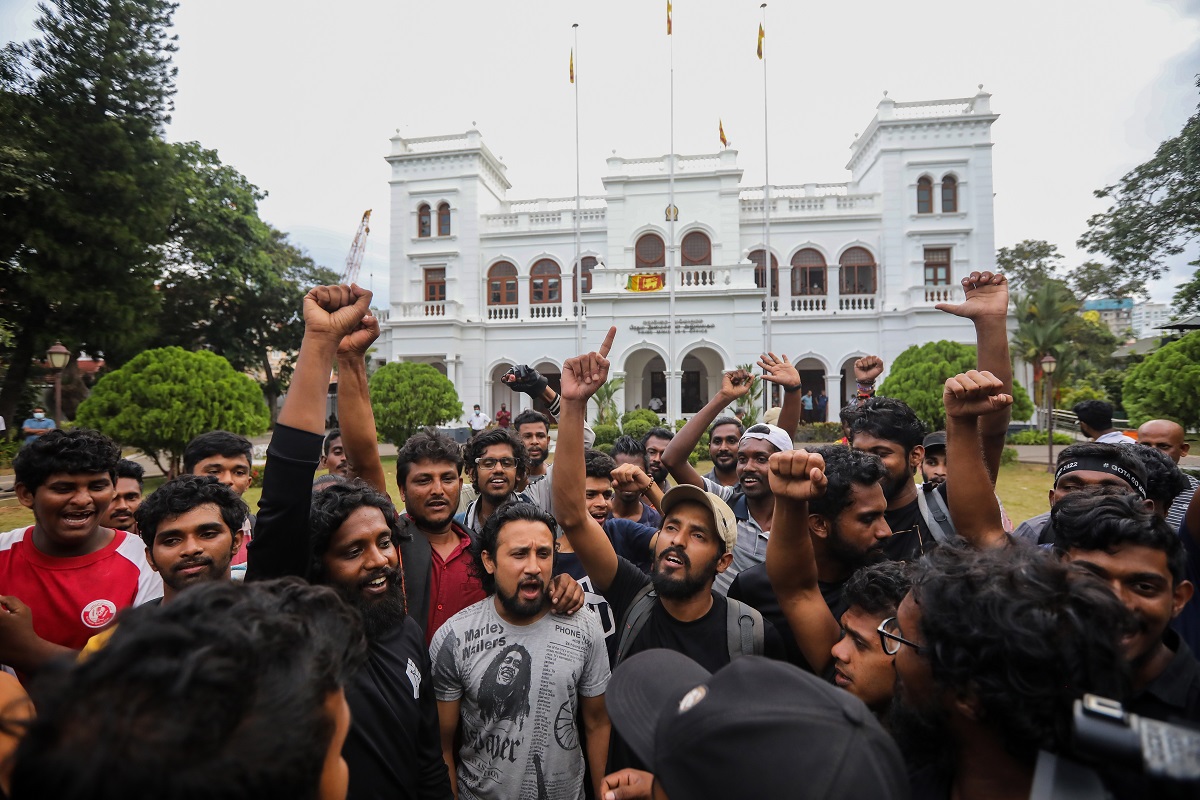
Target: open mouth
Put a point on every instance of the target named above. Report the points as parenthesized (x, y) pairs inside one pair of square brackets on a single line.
[(672, 559), (840, 678), (376, 585), (530, 590), (77, 519)]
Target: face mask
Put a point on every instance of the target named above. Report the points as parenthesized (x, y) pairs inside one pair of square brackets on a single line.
[(39, 415)]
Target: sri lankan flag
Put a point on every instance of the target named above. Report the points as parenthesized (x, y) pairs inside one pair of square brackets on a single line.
[(721, 130), (668, 17), (761, 35), (646, 282), (572, 65)]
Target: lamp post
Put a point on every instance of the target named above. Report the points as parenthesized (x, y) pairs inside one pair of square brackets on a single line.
[(1049, 363), (59, 357)]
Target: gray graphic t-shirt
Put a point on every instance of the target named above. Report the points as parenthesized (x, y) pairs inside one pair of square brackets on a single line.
[(520, 687)]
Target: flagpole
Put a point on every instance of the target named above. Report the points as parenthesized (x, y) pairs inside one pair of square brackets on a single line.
[(578, 203), (768, 272), (672, 384)]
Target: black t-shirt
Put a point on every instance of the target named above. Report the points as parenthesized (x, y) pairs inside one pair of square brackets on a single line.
[(753, 587), (911, 537)]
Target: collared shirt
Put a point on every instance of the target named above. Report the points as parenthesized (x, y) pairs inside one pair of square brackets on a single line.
[(1179, 505), (1114, 437), (751, 547), (711, 475), (452, 586), (1175, 694)]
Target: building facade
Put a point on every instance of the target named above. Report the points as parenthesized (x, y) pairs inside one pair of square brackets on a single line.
[(480, 281), (1115, 312), (1147, 318)]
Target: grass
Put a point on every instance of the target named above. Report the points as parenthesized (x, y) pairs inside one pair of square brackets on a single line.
[(1022, 488)]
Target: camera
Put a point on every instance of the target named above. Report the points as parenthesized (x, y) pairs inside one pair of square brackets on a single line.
[(1105, 732)]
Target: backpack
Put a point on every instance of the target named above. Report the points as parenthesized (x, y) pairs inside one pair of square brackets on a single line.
[(745, 632), (936, 515)]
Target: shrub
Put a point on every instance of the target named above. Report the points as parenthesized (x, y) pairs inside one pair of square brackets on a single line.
[(606, 434), (604, 447), (1038, 437), (644, 414), (1008, 456)]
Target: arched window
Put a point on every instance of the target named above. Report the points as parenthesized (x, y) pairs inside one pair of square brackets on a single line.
[(444, 219), (759, 278), (649, 252), (697, 250), (544, 280), (585, 275), (808, 272), (924, 195), (423, 221), (502, 284), (857, 271), (949, 194)]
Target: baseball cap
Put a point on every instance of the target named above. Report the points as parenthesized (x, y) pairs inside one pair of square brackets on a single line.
[(697, 731), (722, 514), (935, 439), (775, 435)]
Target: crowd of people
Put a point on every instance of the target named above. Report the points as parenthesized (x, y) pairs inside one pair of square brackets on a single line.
[(615, 625)]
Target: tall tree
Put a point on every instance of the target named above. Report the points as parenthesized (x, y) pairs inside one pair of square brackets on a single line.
[(1155, 214), (85, 180), (1029, 263), (232, 284)]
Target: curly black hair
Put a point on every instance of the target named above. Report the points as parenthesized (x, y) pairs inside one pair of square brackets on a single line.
[(719, 421), (488, 538), (658, 433), (1096, 414), (1095, 518), (427, 445), (1022, 633), (844, 468), (132, 470), (598, 464), (478, 446), (531, 417), (1164, 479), (889, 419), (333, 505), (878, 588), (626, 445), (79, 451), (180, 495), (236, 675)]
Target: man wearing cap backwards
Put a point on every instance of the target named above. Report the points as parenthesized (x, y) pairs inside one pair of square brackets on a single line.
[(1080, 465), (752, 502), (699, 731)]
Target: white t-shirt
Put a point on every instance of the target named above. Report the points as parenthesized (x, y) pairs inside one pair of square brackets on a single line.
[(478, 421), (519, 687)]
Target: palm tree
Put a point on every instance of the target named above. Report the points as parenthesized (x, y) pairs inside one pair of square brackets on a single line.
[(1047, 319), (606, 402)]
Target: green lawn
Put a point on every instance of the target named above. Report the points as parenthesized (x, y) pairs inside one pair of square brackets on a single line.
[(1022, 488)]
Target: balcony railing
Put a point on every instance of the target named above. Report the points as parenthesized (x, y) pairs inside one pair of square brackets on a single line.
[(430, 310)]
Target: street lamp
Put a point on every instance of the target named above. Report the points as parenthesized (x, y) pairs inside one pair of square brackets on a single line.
[(1049, 364), (59, 357)]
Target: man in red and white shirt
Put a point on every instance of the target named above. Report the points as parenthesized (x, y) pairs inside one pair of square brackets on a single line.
[(64, 578)]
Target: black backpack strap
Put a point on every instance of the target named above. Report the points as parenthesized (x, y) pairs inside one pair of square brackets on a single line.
[(936, 515), (745, 630), (635, 619)]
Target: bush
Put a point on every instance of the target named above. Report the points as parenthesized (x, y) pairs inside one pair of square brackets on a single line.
[(1166, 384), (819, 432), (644, 414), (1008, 456), (605, 447), (637, 428), (1078, 393), (606, 434), (8, 450), (407, 396), (1038, 437)]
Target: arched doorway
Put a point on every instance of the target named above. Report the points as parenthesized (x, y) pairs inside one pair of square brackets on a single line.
[(702, 370), (501, 393), (812, 379), (551, 372), (645, 383)]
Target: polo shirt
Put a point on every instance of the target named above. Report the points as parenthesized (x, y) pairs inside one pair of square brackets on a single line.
[(452, 585), (1180, 504), (74, 598), (1174, 696)]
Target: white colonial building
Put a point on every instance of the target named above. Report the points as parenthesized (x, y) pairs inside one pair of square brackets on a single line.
[(480, 281)]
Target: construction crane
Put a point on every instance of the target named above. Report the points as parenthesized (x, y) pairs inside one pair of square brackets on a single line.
[(354, 260)]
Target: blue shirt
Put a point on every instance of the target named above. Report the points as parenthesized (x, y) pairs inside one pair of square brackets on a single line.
[(41, 424)]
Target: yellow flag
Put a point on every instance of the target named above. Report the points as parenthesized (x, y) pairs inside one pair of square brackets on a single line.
[(668, 17), (721, 128), (761, 35), (646, 282), (572, 65)]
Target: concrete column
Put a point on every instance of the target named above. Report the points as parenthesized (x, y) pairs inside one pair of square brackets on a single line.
[(523, 296), (833, 287), (833, 390), (674, 379), (785, 288), (619, 396)]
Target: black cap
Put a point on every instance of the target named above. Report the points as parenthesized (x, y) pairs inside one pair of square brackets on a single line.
[(698, 731), (935, 440)]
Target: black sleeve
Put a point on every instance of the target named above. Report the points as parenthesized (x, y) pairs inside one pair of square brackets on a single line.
[(735, 590), (279, 545), (433, 780), (772, 642), (628, 581)]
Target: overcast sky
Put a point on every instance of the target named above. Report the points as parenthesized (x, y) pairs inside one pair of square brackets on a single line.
[(302, 96)]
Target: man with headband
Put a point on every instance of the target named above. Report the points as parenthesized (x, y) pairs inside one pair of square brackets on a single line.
[(1079, 466), (751, 498)]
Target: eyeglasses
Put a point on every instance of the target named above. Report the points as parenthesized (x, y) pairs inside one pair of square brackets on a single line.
[(490, 463), (890, 640)]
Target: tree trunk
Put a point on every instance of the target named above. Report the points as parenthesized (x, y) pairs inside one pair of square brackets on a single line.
[(19, 368), (271, 387)]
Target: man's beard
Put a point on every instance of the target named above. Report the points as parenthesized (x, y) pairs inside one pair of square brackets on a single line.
[(687, 586), (923, 735), (847, 554), (538, 460), (893, 485), (658, 474), (517, 606), (380, 614)]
